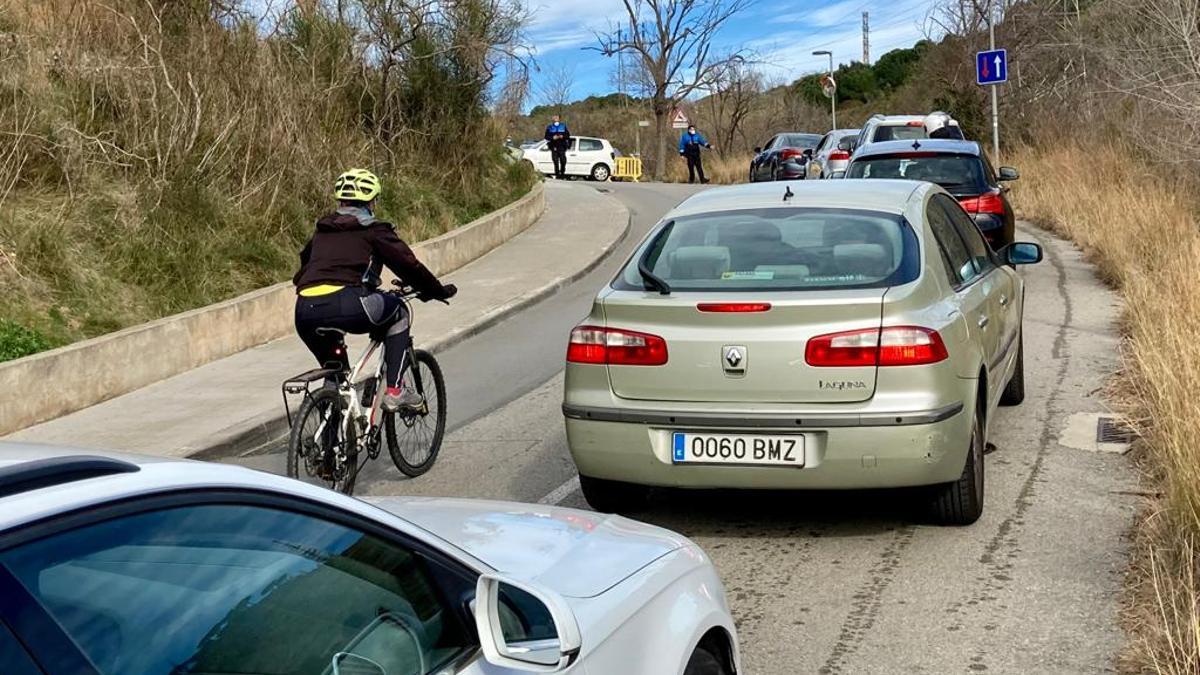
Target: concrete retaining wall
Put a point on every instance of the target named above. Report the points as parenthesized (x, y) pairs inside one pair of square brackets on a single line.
[(46, 385)]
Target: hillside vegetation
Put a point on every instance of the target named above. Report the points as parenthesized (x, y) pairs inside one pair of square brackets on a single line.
[(745, 110), (159, 156)]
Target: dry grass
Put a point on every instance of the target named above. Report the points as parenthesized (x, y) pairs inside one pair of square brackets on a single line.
[(153, 159), (721, 170), (1141, 231)]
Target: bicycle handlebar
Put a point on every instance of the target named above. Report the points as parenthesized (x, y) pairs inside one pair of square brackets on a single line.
[(408, 292)]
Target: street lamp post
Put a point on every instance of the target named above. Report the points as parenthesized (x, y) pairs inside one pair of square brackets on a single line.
[(832, 99)]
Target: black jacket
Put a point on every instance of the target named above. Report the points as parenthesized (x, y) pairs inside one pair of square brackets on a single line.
[(350, 248)]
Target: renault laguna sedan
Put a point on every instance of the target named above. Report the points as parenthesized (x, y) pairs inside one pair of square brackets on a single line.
[(123, 565), (819, 335)]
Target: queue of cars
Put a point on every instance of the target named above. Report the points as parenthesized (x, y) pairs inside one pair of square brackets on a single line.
[(831, 334), (905, 147)]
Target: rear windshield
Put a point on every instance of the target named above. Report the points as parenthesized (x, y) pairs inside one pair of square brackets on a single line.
[(800, 141), (779, 250), (958, 174), (899, 133)]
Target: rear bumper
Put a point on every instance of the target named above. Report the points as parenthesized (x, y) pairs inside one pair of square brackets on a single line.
[(792, 171), (842, 451)]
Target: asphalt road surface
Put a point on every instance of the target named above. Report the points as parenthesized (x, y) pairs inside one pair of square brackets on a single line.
[(849, 582)]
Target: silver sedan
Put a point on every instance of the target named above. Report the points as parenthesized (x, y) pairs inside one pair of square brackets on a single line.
[(824, 334)]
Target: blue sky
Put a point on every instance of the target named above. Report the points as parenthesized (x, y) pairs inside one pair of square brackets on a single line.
[(782, 33)]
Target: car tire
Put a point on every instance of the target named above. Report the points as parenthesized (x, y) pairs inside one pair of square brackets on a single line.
[(610, 496), (961, 502), (704, 662), (1014, 391), (600, 173)]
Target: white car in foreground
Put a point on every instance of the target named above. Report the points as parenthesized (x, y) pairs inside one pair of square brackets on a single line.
[(592, 158), (116, 565)]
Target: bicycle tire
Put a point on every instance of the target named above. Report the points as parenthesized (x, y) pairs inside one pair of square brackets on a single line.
[(425, 372), (314, 409)]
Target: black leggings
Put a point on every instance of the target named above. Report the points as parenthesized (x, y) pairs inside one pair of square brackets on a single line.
[(357, 311)]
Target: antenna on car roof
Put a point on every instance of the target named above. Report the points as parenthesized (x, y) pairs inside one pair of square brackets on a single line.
[(788, 194)]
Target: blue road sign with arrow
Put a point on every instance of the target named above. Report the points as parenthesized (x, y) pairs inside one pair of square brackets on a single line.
[(991, 67)]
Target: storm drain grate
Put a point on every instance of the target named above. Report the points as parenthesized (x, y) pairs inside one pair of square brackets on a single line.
[(1109, 430)]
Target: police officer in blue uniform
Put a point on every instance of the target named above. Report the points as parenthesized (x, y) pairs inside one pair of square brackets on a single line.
[(558, 139), (689, 147)]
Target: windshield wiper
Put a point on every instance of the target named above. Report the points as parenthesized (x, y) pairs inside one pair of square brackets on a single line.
[(652, 281)]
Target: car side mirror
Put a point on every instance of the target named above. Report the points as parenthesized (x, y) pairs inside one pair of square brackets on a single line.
[(757, 149), (524, 627), (1008, 173), (1022, 253), (847, 144), (808, 152)]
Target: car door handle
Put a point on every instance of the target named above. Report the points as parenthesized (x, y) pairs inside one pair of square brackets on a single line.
[(983, 321), (1003, 300)]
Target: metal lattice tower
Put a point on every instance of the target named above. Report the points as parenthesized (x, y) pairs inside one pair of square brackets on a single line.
[(866, 38)]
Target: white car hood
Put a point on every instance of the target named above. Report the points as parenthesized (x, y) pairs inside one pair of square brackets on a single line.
[(579, 554)]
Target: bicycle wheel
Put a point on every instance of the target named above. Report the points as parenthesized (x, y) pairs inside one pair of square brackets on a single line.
[(414, 438), (315, 442)]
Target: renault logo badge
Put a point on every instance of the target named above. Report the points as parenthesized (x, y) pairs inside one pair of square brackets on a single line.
[(734, 359)]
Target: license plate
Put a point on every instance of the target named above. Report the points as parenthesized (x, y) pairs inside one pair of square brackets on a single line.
[(689, 448)]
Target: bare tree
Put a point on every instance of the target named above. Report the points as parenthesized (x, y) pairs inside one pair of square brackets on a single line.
[(733, 97), (1153, 51), (555, 88), (671, 42)]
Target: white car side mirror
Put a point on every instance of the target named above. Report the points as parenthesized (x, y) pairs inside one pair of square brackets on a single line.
[(524, 627)]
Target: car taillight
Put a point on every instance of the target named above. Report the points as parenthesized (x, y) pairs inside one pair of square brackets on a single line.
[(734, 307), (596, 345), (837, 155), (989, 202), (791, 153), (891, 346)]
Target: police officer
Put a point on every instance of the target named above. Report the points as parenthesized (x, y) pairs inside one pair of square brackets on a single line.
[(558, 139), (689, 147)]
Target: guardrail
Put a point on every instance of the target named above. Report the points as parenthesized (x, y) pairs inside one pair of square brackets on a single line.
[(34, 388), (628, 168)]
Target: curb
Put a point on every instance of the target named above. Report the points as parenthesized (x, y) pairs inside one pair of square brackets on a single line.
[(267, 430)]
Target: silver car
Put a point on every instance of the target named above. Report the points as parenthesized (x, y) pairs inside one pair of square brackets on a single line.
[(824, 334), (830, 156), (119, 565)]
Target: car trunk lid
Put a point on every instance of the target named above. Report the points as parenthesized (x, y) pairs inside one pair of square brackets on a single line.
[(745, 355)]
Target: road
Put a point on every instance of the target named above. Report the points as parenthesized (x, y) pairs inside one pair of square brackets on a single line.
[(849, 582)]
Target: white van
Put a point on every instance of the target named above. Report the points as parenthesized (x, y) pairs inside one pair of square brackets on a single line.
[(592, 158)]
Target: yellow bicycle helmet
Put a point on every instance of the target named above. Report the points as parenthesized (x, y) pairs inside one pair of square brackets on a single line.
[(356, 185)]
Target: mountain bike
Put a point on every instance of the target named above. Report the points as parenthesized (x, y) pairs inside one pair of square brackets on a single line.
[(341, 425)]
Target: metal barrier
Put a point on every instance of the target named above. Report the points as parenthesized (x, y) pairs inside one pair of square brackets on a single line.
[(628, 168)]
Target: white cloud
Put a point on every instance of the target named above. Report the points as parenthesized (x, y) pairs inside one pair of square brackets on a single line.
[(571, 24)]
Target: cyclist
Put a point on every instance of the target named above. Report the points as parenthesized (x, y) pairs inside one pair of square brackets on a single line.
[(338, 284)]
